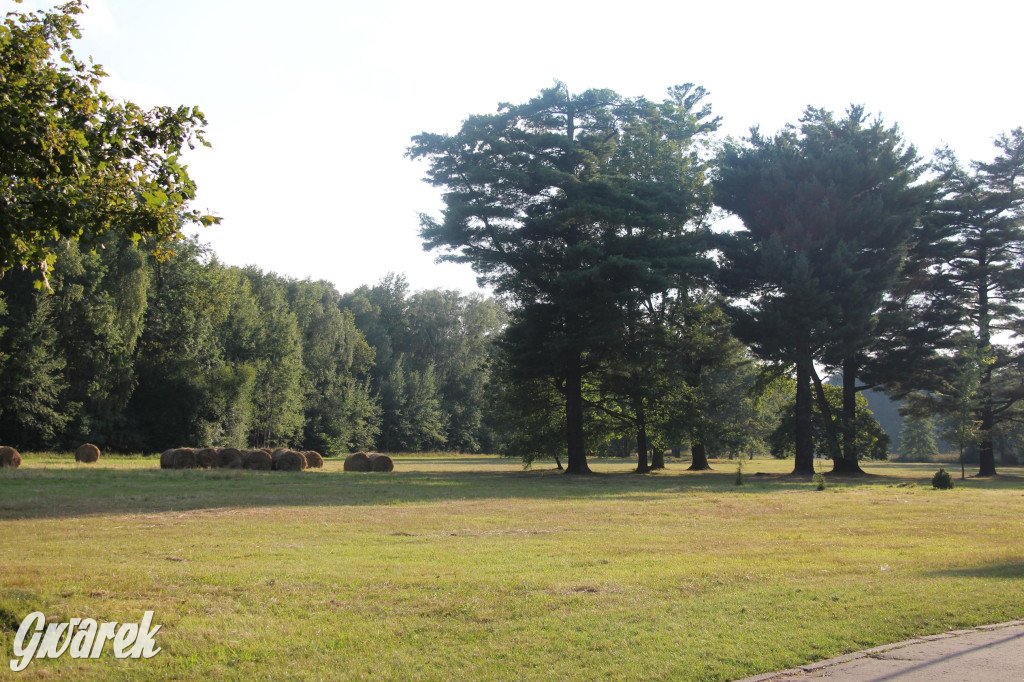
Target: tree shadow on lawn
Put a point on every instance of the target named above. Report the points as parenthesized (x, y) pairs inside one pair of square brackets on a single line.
[(33, 493), (1009, 570)]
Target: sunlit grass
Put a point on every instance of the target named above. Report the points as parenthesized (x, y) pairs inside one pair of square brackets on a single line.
[(470, 567)]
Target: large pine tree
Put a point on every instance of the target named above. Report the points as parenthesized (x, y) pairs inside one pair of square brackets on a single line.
[(829, 209), (576, 207), (977, 251)]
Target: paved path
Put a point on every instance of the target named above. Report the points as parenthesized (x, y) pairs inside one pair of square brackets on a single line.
[(991, 653)]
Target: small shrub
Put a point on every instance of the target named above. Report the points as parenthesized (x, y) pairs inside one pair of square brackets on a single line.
[(739, 473), (942, 480), (819, 480)]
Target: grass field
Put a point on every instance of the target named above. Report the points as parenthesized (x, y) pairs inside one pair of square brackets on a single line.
[(471, 568)]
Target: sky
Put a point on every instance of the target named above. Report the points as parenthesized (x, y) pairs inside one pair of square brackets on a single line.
[(311, 106)]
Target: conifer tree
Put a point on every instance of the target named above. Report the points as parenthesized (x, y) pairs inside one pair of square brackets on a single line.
[(978, 254), (917, 439), (574, 206), (830, 210)]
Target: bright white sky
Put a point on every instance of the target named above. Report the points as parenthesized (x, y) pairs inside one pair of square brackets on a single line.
[(312, 105)]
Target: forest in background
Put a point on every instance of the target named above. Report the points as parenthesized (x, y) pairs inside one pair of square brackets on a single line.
[(136, 353)]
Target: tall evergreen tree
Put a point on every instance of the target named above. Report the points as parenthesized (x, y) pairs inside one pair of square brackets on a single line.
[(35, 411), (830, 210), (978, 253), (573, 206)]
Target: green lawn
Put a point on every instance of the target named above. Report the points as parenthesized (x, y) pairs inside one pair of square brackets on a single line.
[(456, 567)]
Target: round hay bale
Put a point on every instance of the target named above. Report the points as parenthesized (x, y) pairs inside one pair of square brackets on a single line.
[(357, 462), (289, 460), (229, 458), (9, 458), (381, 463), (268, 451), (256, 459), (313, 459), (87, 453), (185, 458), (206, 458), (167, 458)]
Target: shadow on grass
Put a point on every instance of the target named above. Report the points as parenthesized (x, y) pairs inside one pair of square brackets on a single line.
[(40, 493), (1009, 570)]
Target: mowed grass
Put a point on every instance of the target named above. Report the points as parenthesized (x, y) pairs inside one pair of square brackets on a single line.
[(456, 567)]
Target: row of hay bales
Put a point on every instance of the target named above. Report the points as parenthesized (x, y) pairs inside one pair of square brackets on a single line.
[(11, 458), (363, 461), (281, 459)]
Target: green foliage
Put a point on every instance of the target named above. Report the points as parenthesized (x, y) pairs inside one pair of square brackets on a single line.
[(433, 351), (942, 480), (340, 413), (69, 149), (974, 256), (819, 482), (32, 380), (576, 207), (917, 439), (829, 209), (871, 441)]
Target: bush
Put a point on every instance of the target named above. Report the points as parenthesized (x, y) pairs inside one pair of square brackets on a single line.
[(819, 480), (942, 480)]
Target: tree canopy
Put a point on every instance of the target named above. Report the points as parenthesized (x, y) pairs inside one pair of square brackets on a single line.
[(576, 207), (74, 162)]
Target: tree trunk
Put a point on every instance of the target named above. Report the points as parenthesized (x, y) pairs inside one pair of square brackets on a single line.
[(840, 465), (577, 453), (849, 463), (803, 464), (698, 457), (849, 421), (641, 439), (657, 459), (986, 454)]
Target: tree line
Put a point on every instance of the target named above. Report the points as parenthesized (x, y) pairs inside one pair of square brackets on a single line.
[(136, 353), (623, 319), (592, 214)]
